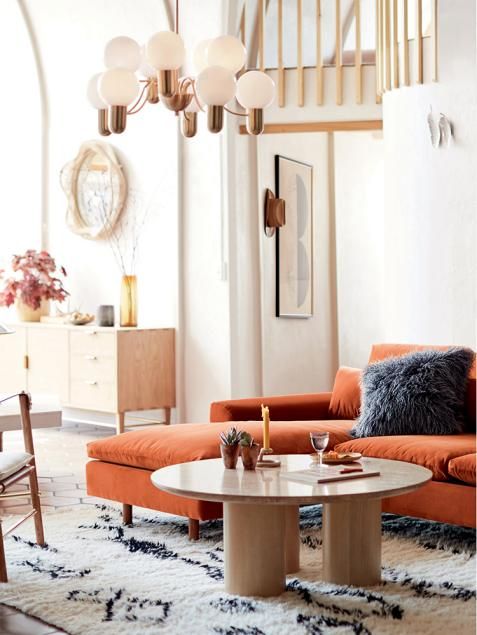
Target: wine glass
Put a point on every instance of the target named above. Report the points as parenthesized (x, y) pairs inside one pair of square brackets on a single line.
[(319, 441)]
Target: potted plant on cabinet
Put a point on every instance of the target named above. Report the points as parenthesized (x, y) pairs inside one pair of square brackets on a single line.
[(249, 451), (32, 284), (229, 447)]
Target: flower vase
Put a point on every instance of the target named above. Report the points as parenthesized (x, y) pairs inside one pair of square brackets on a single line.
[(27, 314), (128, 311)]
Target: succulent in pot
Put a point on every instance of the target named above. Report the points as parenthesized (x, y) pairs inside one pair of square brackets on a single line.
[(249, 451), (230, 448)]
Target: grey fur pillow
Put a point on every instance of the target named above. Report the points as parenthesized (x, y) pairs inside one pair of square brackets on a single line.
[(419, 393)]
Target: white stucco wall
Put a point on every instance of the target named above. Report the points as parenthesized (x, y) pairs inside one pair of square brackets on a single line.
[(431, 197)]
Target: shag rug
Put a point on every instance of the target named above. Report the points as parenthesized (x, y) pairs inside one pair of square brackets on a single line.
[(97, 577)]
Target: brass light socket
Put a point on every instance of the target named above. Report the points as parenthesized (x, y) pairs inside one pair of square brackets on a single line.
[(255, 123), (117, 120), (167, 83), (153, 92), (103, 122), (189, 124), (215, 118)]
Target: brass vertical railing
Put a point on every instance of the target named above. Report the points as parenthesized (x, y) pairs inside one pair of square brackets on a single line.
[(281, 68), (299, 53), (357, 53), (393, 65), (319, 57), (338, 55)]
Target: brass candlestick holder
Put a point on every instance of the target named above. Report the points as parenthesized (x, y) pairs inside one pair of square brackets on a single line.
[(262, 462)]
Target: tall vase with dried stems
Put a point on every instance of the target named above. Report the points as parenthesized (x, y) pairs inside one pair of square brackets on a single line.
[(128, 309), (123, 238)]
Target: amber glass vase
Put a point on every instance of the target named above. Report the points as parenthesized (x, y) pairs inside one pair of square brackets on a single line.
[(128, 313)]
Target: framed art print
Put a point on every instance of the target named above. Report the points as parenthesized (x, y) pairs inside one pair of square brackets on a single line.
[(294, 241)]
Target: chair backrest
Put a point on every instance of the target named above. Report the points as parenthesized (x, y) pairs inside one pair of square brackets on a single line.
[(25, 406), (383, 351)]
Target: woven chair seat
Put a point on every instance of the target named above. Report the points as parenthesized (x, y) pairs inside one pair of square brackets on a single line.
[(11, 462)]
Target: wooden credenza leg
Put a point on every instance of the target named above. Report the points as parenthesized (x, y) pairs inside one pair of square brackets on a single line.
[(120, 416), (167, 416), (1, 441)]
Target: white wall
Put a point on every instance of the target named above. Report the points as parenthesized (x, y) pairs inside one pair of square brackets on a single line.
[(205, 330), (20, 134), (431, 197), (71, 41), (359, 201), (299, 355)]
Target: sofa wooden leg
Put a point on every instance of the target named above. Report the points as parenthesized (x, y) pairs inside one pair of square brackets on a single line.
[(193, 529), (127, 514)]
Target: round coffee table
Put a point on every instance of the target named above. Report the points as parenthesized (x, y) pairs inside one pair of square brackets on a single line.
[(261, 514)]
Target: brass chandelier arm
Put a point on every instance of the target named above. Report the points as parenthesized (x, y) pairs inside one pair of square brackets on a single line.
[(137, 106), (234, 112)]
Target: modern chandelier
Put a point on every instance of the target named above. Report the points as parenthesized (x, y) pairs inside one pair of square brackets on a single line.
[(136, 76)]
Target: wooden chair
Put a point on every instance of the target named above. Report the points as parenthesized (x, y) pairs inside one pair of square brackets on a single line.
[(15, 466)]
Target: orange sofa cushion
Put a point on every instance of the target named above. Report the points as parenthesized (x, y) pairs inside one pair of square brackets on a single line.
[(431, 451), (463, 468), (345, 400), (383, 351), (156, 448), (312, 407)]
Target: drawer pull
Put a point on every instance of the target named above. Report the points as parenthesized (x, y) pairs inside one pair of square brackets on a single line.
[(91, 382), (91, 357), (91, 332)]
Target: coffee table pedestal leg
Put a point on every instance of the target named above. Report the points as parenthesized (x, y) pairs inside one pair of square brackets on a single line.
[(352, 542), (292, 538), (254, 551)]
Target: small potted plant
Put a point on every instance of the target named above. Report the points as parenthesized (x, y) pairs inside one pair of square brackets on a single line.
[(229, 447), (249, 451), (32, 284)]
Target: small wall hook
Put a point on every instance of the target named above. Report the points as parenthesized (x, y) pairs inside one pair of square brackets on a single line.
[(274, 213)]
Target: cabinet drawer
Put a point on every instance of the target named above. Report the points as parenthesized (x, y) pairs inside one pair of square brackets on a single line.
[(93, 394), (91, 366), (92, 342)]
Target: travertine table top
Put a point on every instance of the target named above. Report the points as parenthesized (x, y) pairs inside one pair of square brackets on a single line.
[(209, 480)]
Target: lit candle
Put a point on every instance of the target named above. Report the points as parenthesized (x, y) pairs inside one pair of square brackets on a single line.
[(266, 427)]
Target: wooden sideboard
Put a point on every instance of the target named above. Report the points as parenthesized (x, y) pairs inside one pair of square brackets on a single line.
[(111, 370)]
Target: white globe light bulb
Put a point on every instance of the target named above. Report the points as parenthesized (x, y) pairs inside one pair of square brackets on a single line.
[(165, 51), (200, 56), (118, 87), (122, 52), (216, 86), (227, 51), (145, 69), (255, 90), (93, 95)]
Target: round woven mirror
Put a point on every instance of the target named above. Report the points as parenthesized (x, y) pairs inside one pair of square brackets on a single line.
[(96, 188)]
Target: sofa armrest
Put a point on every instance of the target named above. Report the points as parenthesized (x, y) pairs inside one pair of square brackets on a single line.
[(312, 407)]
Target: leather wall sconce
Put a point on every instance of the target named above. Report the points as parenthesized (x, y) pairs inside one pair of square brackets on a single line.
[(274, 213)]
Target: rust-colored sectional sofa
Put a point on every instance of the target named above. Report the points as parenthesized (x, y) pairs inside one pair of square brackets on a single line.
[(121, 466)]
